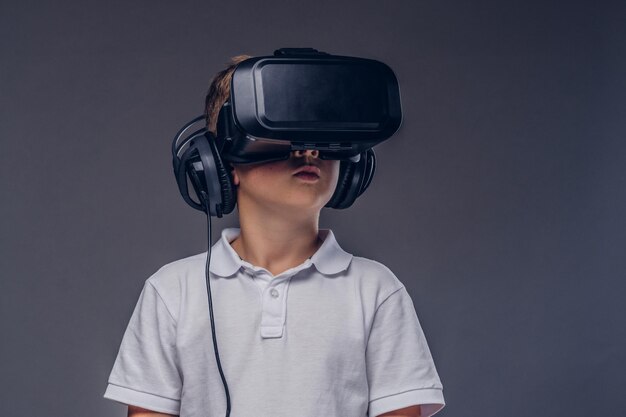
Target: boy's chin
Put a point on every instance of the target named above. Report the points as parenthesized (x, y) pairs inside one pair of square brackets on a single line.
[(301, 206), (304, 204)]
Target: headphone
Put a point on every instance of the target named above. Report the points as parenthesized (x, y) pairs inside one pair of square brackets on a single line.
[(212, 181)]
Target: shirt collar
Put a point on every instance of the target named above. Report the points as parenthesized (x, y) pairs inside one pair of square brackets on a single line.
[(329, 259)]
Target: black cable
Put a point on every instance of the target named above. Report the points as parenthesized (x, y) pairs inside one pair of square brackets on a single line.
[(208, 288)]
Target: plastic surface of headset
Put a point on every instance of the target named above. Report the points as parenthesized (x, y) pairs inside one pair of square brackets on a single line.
[(297, 99)]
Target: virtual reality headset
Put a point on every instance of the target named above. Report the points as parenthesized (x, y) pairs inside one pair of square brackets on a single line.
[(300, 99)]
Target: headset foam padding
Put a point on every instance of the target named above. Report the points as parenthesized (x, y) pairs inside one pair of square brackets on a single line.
[(229, 190)]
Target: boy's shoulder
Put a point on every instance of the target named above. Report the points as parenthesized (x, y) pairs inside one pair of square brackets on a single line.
[(180, 266), (169, 279), (374, 277)]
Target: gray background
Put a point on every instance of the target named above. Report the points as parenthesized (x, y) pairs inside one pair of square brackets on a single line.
[(499, 203)]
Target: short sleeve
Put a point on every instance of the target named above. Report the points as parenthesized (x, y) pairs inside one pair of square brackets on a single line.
[(145, 372), (400, 368)]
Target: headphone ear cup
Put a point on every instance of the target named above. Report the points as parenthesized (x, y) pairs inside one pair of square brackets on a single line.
[(354, 183), (345, 174), (213, 184), (354, 178), (184, 169), (370, 168)]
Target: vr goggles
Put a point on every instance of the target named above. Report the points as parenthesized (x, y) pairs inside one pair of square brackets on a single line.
[(300, 99)]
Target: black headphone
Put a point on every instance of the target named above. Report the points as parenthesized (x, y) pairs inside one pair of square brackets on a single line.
[(212, 181)]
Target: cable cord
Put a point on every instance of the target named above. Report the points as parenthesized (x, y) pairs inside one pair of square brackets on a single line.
[(208, 288)]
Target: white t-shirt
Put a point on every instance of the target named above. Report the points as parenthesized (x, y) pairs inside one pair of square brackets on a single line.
[(337, 336)]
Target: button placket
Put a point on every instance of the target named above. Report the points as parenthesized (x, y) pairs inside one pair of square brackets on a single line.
[(274, 308), (274, 300)]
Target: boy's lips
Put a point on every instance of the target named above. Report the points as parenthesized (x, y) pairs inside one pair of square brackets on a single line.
[(308, 169)]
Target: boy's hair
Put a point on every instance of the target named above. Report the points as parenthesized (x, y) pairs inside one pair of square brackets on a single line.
[(219, 91)]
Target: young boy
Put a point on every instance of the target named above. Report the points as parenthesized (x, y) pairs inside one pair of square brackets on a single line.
[(304, 329)]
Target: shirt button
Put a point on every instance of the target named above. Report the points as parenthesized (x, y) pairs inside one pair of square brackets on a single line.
[(274, 292)]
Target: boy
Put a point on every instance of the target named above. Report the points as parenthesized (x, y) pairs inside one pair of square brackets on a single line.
[(304, 328)]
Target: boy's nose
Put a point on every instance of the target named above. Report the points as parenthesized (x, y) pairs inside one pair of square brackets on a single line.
[(306, 152)]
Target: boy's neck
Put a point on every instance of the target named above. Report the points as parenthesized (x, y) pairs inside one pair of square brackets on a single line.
[(277, 243)]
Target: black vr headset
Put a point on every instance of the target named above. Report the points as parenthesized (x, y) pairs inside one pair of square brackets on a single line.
[(297, 99)]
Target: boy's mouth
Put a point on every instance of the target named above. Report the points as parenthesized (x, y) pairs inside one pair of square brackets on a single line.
[(307, 176), (308, 170)]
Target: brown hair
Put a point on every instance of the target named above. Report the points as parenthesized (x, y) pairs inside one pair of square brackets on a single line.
[(219, 91)]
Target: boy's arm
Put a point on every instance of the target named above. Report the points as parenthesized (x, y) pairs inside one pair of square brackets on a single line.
[(401, 374), (142, 412), (146, 372), (412, 411)]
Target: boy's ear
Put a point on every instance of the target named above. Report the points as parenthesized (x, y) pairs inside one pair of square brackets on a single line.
[(231, 167)]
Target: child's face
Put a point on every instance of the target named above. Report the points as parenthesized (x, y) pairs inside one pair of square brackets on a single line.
[(274, 185)]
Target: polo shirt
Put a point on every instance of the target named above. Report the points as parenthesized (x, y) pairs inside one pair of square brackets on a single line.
[(337, 335)]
